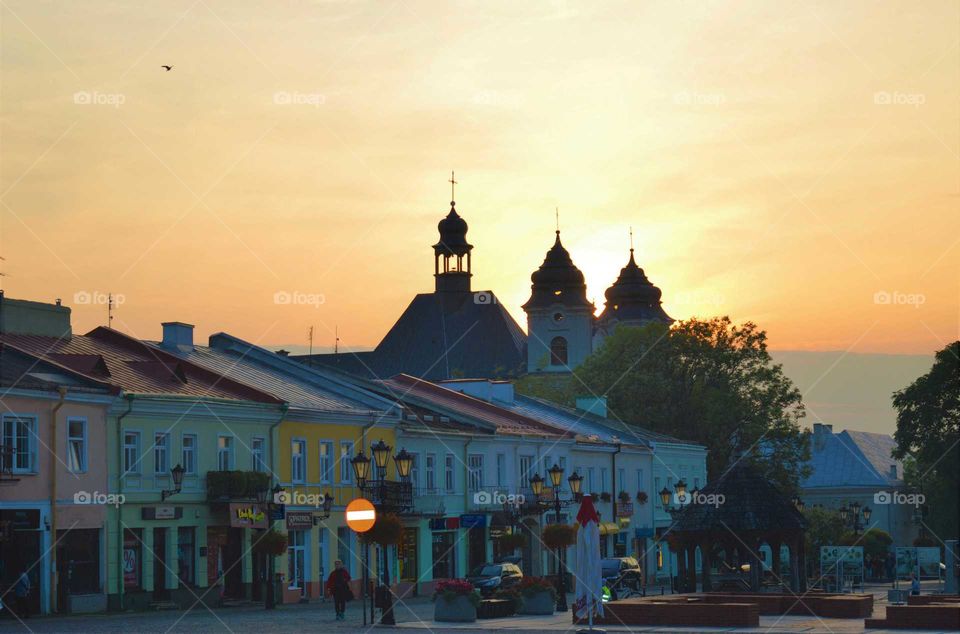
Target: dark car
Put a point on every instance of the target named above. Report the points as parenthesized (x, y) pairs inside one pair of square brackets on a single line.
[(491, 577), (619, 572)]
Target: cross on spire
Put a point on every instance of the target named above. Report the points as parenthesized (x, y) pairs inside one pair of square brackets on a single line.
[(631, 239), (453, 184), (557, 214)]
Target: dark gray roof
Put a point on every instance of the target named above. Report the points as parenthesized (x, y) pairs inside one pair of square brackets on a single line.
[(301, 387), (439, 336), (19, 370), (852, 459), (750, 503)]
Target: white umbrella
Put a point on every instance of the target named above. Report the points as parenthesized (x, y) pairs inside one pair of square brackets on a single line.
[(589, 588)]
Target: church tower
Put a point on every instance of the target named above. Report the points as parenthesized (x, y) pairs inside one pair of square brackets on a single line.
[(451, 254), (632, 300), (559, 316)]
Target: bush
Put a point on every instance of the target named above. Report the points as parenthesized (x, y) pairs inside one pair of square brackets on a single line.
[(924, 541), (450, 590), (875, 542), (559, 536), (387, 530), (531, 586)]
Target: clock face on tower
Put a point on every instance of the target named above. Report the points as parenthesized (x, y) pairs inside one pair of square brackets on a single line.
[(557, 318)]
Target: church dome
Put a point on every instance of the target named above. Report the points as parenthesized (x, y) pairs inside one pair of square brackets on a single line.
[(633, 298), (453, 233), (558, 280)]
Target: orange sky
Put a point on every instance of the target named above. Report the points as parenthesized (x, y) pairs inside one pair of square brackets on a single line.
[(779, 162)]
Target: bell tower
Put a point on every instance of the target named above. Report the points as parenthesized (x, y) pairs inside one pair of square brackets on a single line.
[(451, 255)]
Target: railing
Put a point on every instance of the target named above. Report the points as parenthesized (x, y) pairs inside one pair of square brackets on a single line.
[(6, 464), (226, 486)]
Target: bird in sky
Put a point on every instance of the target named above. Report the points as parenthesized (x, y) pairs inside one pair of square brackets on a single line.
[(166, 68)]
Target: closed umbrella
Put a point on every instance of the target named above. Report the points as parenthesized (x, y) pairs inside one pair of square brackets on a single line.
[(589, 588)]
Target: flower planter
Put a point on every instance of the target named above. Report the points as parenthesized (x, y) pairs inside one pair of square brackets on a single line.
[(540, 603), (459, 609)]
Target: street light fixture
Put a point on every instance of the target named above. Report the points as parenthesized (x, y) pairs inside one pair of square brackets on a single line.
[(361, 468), (665, 496), (556, 478), (177, 473), (267, 498), (536, 483), (403, 461), (576, 480), (381, 452), (556, 475)]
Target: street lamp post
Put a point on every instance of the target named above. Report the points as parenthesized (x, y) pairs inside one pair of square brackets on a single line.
[(853, 514), (536, 484), (266, 498), (177, 474), (665, 495)]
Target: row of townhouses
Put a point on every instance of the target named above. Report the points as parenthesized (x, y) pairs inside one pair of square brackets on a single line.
[(139, 472)]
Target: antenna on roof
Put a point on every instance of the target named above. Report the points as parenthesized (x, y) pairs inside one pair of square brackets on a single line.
[(336, 339), (557, 214), (109, 310), (631, 239), (310, 339)]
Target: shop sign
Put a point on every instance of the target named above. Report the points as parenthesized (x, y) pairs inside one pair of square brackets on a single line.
[(444, 523), (161, 512), (21, 519), (247, 516), (131, 562), (473, 520), (299, 520), (624, 509)]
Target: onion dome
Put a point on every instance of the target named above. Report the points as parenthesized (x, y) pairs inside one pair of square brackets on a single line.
[(453, 234), (633, 298), (557, 281)]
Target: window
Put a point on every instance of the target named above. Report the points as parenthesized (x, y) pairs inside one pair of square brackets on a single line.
[(131, 452), (475, 475), (431, 470), (640, 480), (188, 454), (448, 477), (77, 444), (563, 463), (18, 434), (603, 480), (225, 453), (621, 483), (161, 455), (501, 470), (591, 480), (415, 470), (344, 552), (526, 469), (298, 460), (296, 559), (656, 488), (346, 468), (558, 351), (696, 483), (258, 454), (326, 461)]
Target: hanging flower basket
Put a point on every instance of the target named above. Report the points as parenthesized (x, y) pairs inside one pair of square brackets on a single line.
[(511, 541), (605, 497), (642, 497), (271, 543), (559, 535), (387, 530), (624, 496)]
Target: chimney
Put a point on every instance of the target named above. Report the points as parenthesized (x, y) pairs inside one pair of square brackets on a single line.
[(177, 336), (283, 353), (821, 428), (596, 405)]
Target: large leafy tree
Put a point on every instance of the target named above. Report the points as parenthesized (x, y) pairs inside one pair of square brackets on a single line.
[(707, 381), (928, 439)]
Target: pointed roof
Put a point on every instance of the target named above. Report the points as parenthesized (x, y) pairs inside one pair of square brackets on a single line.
[(557, 281), (852, 458), (633, 298)]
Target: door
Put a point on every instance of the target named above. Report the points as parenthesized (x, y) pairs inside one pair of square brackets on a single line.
[(232, 566), (477, 548), (160, 564)]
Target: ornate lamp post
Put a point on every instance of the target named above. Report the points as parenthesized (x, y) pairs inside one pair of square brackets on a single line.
[(853, 514), (665, 496), (177, 474), (556, 478)]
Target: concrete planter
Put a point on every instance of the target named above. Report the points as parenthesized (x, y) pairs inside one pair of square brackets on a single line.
[(540, 604), (459, 609)]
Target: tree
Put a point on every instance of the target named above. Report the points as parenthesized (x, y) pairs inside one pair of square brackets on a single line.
[(876, 542), (824, 528), (710, 382), (928, 431)]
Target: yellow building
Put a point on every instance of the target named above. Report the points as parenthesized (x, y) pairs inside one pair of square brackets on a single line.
[(327, 422)]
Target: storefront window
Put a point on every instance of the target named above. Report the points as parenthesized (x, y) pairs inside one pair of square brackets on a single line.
[(407, 555), (296, 559), (344, 553), (444, 556), (186, 555)]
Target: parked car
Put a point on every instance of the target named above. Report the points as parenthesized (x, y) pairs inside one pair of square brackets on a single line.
[(620, 572), (490, 577)]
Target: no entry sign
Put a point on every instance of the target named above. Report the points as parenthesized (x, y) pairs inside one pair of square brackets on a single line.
[(361, 515)]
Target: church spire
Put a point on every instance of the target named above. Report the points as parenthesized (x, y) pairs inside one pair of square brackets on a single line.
[(452, 253)]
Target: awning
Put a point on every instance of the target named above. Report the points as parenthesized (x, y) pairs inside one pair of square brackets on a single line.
[(609, 528)]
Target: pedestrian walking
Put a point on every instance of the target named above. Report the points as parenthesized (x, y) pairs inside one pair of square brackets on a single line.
[(914, 584), (338, 584), (22, 593)]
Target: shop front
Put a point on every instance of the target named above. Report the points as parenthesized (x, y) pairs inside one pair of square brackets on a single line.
[(23, 548)]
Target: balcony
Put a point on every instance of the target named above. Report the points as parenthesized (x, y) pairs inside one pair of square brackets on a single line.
[(230, 486), (390, 496)]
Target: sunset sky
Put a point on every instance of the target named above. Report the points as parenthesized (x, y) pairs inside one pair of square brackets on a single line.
[(794, 164)]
